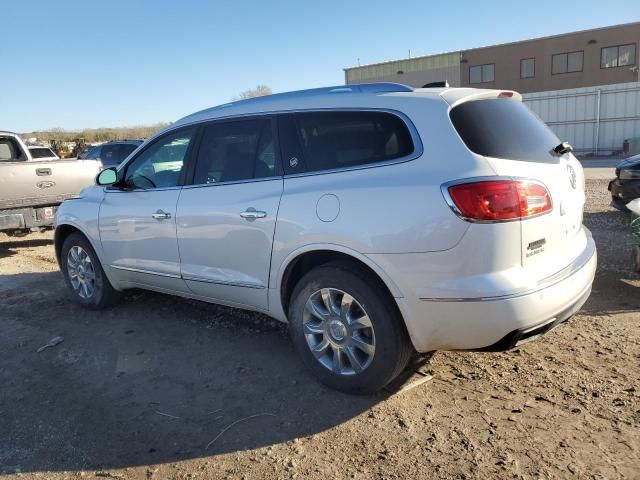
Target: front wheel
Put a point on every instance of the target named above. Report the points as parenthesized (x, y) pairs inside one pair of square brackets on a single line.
[(84, 275), (346, 329)]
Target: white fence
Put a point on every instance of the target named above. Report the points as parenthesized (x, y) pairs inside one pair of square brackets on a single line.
[(594, 120)]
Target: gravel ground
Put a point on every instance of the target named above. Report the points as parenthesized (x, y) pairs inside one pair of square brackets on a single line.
[(164, 388)]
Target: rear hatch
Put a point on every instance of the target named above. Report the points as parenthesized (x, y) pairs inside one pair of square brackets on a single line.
[(517, 144)]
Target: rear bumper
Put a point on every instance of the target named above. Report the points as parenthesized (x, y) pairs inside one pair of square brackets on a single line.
[(500, 322), (25, 218), (524, 335)]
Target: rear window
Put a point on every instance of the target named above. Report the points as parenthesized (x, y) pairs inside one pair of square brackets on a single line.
[(41, 153), (504, 128), (333, 140)]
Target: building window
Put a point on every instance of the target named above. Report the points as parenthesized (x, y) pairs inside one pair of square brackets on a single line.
[(481, 73), (567, 62), (618, 56), (527, 67)]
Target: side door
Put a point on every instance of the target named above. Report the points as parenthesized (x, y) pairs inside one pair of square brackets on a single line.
[(227, 216), (138, 215)]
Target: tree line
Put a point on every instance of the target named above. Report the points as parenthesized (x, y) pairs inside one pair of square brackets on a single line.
[(94, 135)]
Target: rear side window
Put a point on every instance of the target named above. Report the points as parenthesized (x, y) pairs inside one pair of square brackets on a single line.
[(235, 151), (504, 128), (332, 140)]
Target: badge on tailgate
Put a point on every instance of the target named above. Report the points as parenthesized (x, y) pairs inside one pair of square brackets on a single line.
[(536, 247)]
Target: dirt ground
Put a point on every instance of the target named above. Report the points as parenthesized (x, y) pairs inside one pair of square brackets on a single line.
[(164, 388)]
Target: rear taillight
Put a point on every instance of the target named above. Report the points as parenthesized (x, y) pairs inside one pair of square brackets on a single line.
[(499, 200)]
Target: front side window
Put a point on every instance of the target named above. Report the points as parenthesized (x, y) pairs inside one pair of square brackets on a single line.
[(527, 67), (160, 164), (345, 139), (618, 56), (567, 62), (482, 73), (236, 151)]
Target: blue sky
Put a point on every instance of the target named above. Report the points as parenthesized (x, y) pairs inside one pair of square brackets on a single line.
[(85, 64)]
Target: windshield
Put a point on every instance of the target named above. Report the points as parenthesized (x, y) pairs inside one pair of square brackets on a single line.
[(504, 128)]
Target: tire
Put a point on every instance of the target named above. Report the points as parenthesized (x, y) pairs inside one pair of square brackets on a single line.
[(635, 258), (101, 294), (362, 371)]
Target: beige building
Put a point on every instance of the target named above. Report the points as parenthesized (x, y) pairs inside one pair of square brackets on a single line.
[(601, 56), (416, 71)]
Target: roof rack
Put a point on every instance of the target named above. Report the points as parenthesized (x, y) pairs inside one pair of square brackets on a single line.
[(369, 88)]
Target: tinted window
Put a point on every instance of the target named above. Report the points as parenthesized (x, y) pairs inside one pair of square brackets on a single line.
[(504, 129), (160, 164), (234, 151), (92, 154), (347, 139), (41, 153), (113, 154)]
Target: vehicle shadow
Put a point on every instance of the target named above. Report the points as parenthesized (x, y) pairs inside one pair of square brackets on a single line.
[(10, 245), (155, 379)]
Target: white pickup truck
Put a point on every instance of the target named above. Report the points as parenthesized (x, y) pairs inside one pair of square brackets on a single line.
[(31, 189)]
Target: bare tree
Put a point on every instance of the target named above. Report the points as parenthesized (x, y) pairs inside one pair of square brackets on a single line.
[(259, 91)]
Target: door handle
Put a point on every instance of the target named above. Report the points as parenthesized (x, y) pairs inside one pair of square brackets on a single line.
[(251, 214), (161, 215), (41, 172)]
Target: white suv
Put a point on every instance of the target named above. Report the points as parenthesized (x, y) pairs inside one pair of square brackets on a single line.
[(377, 220)]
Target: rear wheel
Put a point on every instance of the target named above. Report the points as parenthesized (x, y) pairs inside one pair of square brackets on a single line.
[(84, 275), (347, 330)]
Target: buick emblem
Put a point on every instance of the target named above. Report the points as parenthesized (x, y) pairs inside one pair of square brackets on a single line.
[(293, 162), (572, 176)]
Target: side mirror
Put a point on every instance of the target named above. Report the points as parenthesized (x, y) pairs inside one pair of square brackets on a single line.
[(106, 177)]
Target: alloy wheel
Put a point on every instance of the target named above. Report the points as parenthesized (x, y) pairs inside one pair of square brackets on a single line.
[(338, 331), (81, 272)]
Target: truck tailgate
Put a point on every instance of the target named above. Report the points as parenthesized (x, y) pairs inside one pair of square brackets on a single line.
[(33, 183)]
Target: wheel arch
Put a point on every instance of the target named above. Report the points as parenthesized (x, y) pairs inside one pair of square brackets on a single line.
[(302, 260), (61, 233)]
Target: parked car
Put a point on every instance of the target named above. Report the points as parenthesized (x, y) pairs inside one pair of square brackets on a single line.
[(31, 188), (626, 186), (111, 154), (377, 220), (42, 153)]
